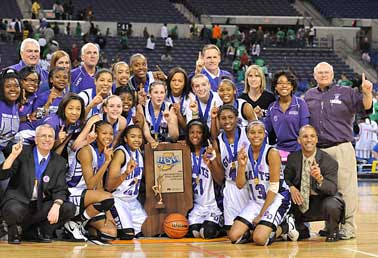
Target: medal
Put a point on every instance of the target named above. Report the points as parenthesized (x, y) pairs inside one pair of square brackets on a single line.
[(136, 180), (204, 115), (156, 121), (233, 165), (197, 180), (256, 164), (232, 154), (196, 168), (156, 136), (256, 180)]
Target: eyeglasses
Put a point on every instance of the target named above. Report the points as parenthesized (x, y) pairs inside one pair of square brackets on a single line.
[(34, 81)]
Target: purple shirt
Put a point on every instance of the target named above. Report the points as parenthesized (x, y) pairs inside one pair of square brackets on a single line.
[(81, 80), (44, 85), (9, 123), (286, 124), (332, 113), (26, 109), (214, 81), (42, 99)]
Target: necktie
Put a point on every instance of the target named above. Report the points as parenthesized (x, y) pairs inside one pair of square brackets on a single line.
[(305, 186), (39, 187)]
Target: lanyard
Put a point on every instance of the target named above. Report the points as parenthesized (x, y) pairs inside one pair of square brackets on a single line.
[(232, 155), (197, 166), (155, 122), (100, 156), (137, 169), (129, 116), (205, 116), (255, 165), (39, 168), (181, 102)]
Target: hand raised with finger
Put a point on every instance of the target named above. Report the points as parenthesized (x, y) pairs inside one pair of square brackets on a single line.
[(108, 152)]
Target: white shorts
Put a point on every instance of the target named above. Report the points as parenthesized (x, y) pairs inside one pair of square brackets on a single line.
[(272, 217), (234, 201), (75, 197), (128, 213), (200, 213)]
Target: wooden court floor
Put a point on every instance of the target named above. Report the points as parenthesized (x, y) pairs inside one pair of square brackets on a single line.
[(365, 245)]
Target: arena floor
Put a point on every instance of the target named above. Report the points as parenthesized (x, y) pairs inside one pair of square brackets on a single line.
[(365, 245)]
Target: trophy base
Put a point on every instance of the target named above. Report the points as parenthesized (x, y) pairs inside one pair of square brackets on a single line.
[(159, 205)]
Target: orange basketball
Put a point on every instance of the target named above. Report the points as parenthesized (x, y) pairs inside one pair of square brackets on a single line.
[(176, 225)]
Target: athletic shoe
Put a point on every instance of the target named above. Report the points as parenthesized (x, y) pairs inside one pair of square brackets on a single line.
[(292, 232), (73, 229), (346, 235)]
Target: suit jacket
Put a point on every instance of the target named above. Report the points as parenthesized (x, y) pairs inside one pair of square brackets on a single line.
[(328, 169), (22, 178)]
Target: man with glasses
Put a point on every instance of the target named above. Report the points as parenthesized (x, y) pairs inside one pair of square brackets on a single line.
[(332, 110), (37, 192), (82, 77), (30, 52)]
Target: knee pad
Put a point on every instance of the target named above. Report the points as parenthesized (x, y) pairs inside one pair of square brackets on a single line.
[(125, 234), (210, 230), (104, 205), (245, 238), (194, 230)]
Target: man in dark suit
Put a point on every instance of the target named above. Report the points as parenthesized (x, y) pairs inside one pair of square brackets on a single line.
[(312, 177), (37, 192)]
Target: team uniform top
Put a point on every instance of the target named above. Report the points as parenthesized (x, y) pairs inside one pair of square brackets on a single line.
[(81, 80), (42, 99), (88, 95), (129, 189), (184, 105), (150, 79), (9, 123), (161, 125), (259, 188), (74, 177), (239, 105)]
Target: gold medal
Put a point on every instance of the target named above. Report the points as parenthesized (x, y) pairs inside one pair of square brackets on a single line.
[(233, 165), (197, 180), (156, 136), (256, 180), (136, 180)]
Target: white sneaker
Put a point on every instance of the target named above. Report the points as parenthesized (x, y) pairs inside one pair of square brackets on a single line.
[(292, 232), (74, 229)]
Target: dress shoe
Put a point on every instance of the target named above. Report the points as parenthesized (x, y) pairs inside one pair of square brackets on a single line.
[(42, 237), (333, 237), (13, 235), (323, 233)]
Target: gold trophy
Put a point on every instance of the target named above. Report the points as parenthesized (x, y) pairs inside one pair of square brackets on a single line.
[(157, 188)]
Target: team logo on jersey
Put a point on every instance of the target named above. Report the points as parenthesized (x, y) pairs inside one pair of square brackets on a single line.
[(167, 160), (275, 118)]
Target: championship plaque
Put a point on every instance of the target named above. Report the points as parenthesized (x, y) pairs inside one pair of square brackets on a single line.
[(168, 184)]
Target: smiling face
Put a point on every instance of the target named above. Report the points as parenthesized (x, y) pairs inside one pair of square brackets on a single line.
[(284, 87), (59, 80), (195, 135), (104, 135), (134, 138), (11, 89), (227, 120), (256, 135), (72, 111), (157, 94), (254, 80), (45, 139), (30, 54), (113, 108), (308, 140), (177, 84), (104, 83), (122, 74), (127, 101), (201, 88), (227, 93), (212, 59), (139, 67), (30, 83), (323, 75)]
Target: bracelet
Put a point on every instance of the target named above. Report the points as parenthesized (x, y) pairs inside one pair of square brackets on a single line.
[(59, 202)]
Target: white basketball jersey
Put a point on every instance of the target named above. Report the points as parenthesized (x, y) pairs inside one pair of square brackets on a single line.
[(129, 188)]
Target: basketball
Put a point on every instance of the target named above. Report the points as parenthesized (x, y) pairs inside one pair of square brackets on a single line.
[(176, 225)]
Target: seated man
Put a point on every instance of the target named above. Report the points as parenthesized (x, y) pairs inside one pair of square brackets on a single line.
[(37, 191), (312, 177)]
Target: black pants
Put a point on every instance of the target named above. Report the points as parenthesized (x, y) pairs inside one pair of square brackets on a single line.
[(17, 213), (328, 208)]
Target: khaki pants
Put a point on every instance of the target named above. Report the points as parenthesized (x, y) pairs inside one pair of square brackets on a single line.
[(347, 180)]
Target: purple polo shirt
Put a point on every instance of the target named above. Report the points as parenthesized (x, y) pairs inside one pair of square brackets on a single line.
[(44, 84), (81, 80), (332, 113), (286, 124), (214, 81)]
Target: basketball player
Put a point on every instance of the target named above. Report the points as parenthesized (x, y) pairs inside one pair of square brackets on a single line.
[(259, 168), (125, 175)]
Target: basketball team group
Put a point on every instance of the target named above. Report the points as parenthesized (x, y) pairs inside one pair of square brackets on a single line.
[(264, 164)]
